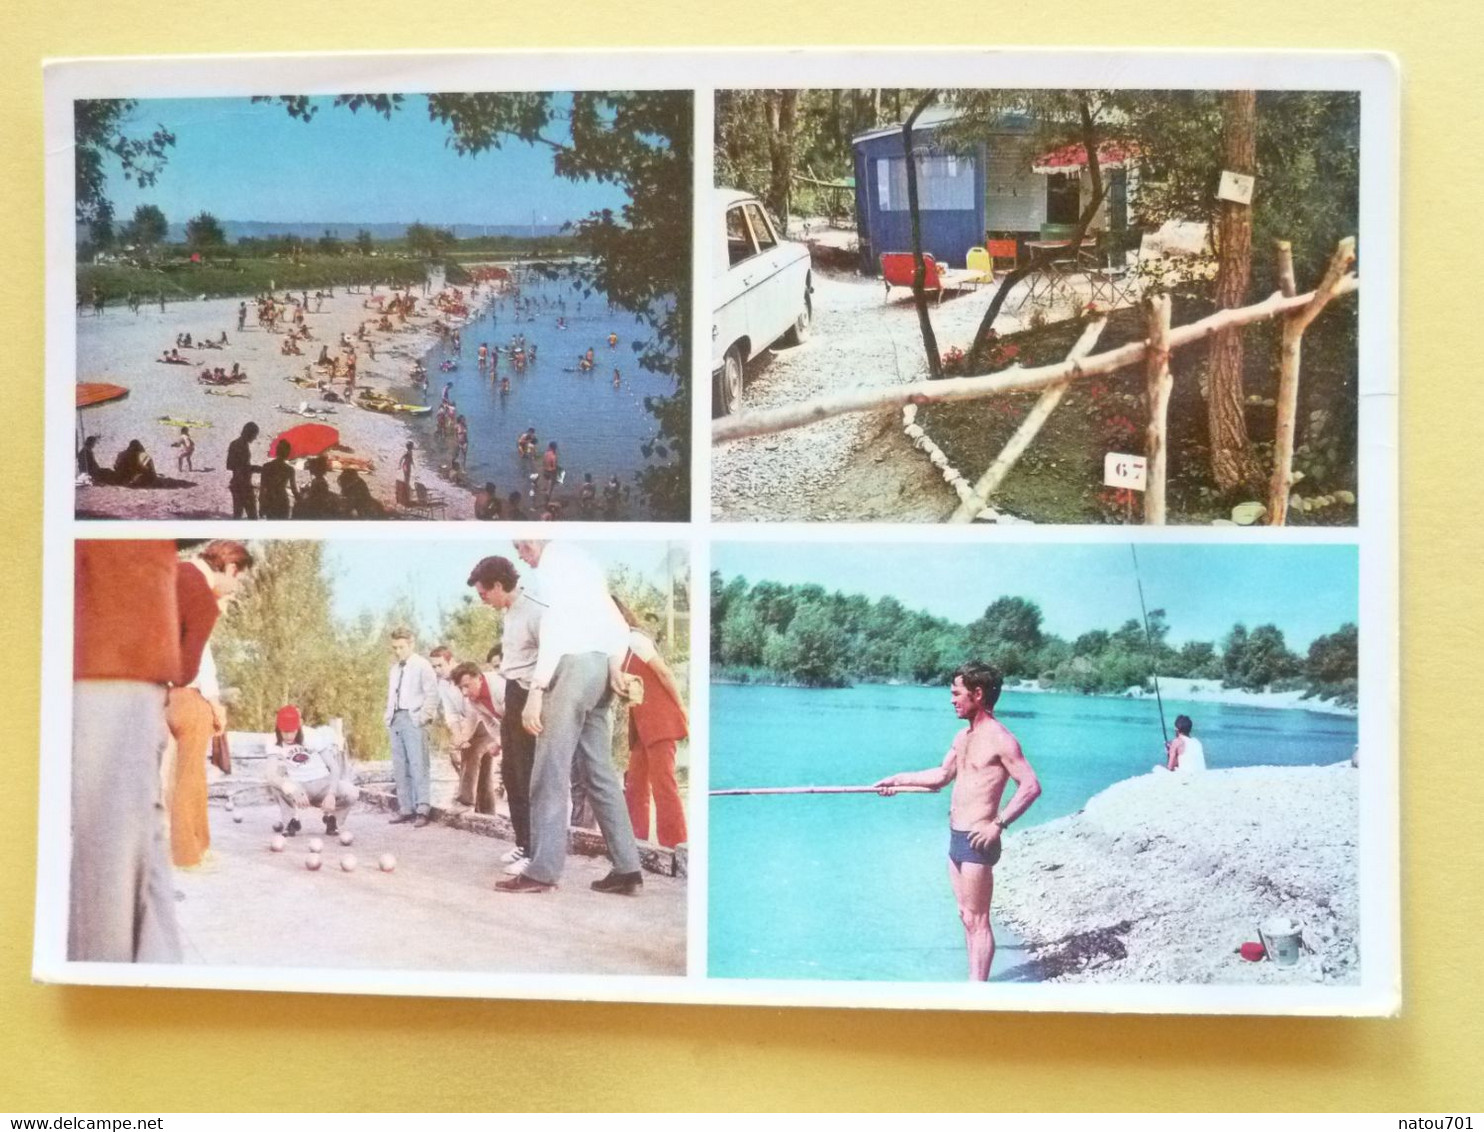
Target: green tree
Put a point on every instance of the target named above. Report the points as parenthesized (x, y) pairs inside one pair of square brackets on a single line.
[(204, 232), (147, 228), (329, 244), (1336, 657), (364, 244), (470, 628), (813, 649), (98, 130)]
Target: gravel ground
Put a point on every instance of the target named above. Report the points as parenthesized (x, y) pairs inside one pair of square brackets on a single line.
[(1161, 877), (858, 339)]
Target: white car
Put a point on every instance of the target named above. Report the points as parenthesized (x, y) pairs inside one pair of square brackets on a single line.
[(762, 285)]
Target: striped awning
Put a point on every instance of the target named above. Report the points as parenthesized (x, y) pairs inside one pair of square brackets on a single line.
[(1071, 158)]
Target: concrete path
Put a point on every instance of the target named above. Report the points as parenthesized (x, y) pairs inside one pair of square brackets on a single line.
[(437, 911)]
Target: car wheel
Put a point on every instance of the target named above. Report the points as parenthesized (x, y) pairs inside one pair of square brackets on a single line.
[(729, 384), (798, 333)]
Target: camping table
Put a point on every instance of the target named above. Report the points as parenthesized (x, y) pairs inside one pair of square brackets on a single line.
[(1056, 275)]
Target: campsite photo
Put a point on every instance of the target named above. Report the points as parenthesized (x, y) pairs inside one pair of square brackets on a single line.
[(1037, 763), (1036, 306), (384, 306), (369, 755)]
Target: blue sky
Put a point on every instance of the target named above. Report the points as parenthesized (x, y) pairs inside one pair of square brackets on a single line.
[(244, 161), (1306, 591), (371, 575)]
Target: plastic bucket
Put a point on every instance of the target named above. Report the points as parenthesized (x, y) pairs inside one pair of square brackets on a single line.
[(1282, 939)]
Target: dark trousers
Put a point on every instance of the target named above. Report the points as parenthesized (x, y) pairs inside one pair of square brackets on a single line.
[(244, 502), (516, 762)]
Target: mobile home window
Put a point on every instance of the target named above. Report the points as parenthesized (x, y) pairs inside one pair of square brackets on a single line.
[(945, 182)]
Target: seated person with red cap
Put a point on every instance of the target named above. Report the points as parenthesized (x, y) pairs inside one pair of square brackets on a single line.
[(314, 773)]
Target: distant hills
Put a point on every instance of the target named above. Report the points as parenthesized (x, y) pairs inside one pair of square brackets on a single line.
[(259, 229)]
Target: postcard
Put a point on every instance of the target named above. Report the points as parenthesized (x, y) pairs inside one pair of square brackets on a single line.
[(992, 605)]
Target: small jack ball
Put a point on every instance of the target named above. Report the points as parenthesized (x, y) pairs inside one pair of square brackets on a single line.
[(312, 862), (278, 843), (387, 862)]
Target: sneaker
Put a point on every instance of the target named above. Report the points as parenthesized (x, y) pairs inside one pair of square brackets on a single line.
[(513, 855), (330, 825), (421, 821), (620, 884), (292, 828), (522, 884), (518, 867)]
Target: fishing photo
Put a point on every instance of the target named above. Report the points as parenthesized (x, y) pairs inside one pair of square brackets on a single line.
[(1037, 763), (383, 306), (368, 755)]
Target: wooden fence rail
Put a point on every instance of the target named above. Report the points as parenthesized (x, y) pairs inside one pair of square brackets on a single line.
[(1298, 311)]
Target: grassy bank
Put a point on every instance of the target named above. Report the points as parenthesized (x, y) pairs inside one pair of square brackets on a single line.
[(226, 277)]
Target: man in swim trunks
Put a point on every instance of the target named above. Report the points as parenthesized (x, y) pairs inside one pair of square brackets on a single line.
[(983, 758)]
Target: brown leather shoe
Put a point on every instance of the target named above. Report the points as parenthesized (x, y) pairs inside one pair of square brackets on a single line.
[(522, 884), (400, 818), (420, 821)]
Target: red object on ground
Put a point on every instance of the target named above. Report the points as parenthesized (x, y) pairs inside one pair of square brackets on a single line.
[(306, 440), (1253, 952)]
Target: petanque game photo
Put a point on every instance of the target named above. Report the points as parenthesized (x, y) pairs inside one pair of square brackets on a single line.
[(1098, 765), (383, 306), (453, 758), (1036, 306)]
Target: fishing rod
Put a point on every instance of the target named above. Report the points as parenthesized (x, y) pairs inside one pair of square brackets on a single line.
[(823, 790), (1149, 642)]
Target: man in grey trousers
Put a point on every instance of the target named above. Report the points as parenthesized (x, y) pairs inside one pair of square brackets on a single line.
[(583, 639), (411, 702)]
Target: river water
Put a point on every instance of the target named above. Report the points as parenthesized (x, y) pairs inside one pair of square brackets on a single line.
[(855, 886), (598, 427)]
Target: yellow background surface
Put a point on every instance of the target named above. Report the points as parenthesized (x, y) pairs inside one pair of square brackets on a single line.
[(73, 1049)]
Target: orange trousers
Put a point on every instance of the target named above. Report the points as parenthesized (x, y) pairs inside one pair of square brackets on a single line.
[(190, 720), (652, 769)]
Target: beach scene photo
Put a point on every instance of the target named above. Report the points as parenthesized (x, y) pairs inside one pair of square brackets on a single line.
[(1013, 306), (380, 755), (1035, 764), (442, 306)]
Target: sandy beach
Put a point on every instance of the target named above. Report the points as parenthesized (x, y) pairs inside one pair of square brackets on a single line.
[(1160, 878), (1212, 692), (122, 348)]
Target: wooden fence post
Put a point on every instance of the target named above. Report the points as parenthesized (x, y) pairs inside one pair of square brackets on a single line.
[(990, 481), (1157, 369), (1290, 354)]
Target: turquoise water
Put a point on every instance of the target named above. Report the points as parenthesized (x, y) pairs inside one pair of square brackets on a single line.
[(855, 886), (598, 428)]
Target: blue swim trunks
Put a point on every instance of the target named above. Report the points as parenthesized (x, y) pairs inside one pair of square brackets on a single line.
[(960, 852)]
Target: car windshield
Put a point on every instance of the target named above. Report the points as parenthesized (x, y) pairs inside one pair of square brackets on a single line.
[(739, 239)]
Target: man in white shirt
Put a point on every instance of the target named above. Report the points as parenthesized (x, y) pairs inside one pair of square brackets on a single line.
[(583, 639), (1184, 754), (411, 704)]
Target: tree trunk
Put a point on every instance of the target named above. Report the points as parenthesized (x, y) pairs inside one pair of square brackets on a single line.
[(783, 106), (919, 273), (1232, 462)]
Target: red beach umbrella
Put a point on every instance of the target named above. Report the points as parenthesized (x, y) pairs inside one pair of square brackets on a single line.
[(306, 440)]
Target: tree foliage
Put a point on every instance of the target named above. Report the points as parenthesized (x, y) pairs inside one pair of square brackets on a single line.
[(99, 133), (766, 631), (204, 232), (147, 228)]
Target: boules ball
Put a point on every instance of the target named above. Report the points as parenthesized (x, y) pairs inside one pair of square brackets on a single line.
[(278, 843), (312, 862), (346, 837), (316, 845), (348, 863), (236, 817), (387, 862)]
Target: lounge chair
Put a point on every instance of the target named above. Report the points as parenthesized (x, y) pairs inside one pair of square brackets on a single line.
[(898, 269)]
